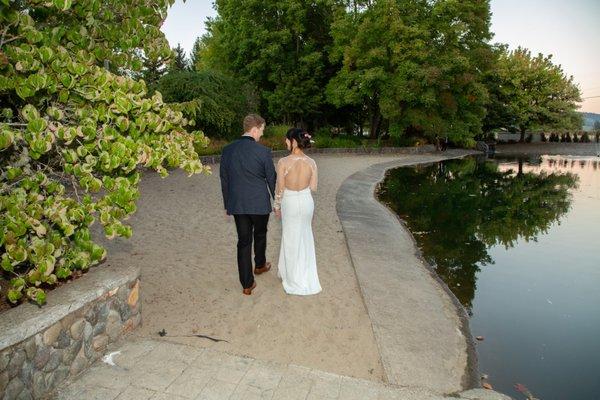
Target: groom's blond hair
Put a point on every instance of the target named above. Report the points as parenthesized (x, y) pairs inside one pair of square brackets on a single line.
[(253, 121)]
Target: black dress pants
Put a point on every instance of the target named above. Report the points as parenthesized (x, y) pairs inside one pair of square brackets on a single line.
[(249, 226)]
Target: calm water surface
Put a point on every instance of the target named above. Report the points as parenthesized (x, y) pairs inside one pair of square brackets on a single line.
[(516, 240)]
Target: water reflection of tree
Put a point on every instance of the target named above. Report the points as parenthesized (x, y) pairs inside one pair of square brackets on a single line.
[(459, 208)]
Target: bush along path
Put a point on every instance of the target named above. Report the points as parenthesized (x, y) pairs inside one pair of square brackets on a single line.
[(73, 132)]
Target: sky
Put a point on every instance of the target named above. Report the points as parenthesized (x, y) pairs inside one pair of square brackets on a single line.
[(569, 30)]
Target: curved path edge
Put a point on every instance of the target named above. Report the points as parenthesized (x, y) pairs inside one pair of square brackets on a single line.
[(420, 327)]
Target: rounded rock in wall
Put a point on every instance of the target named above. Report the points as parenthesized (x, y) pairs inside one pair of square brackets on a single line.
[(113, 324), (76, 329), (87, 332), (41, 357), (134, 294), (30, 348), (25, 395), (67, 321), (122, 293), (51, 334), (103, 309), (26, 373), (91, 315), (99, 328), (64, 339), (4, 359), (16, 362), (71, 352), (53, 361), (78, 364), (100, 342), (39, 385), (123, 308), (3, 380), (13, 389), (57, 377)]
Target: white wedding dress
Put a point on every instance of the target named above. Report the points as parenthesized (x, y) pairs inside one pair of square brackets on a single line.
[(297, 268)]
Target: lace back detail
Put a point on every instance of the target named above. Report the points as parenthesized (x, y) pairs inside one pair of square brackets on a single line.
[(293, 175)]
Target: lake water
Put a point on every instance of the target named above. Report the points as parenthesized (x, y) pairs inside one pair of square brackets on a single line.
[(517, 241)]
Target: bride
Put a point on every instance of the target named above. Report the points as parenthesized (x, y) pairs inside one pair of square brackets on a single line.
[(296, 178)]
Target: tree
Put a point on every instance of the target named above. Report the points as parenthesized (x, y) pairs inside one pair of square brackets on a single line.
[(415, 64), (179, 62), (531, 92), (215, 101), (196, 55), (277, 47), (152, 71), (597, 126), (73, 134)]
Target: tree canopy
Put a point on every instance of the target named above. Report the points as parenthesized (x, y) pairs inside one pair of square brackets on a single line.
[(530, 92), (279, 48), (414, 63), (215, 101), (398, 67)]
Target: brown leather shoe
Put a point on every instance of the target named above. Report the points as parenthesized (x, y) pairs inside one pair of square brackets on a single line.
[(248, 291), (263, 269)]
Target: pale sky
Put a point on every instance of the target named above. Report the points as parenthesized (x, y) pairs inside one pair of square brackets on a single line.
[(569, 30)]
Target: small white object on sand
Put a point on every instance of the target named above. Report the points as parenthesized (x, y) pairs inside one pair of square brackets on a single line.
[(109, 358)]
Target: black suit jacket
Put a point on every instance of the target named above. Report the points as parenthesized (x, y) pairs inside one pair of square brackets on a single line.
[(247, 176)]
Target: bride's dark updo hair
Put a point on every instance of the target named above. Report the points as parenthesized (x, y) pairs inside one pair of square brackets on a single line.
[(300, 136)]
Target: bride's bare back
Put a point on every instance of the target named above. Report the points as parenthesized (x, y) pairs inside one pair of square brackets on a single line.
[(295, 172)]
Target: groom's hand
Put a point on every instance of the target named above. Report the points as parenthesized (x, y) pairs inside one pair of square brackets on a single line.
[(278, 213)]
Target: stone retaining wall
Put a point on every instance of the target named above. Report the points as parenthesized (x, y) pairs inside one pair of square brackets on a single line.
[(215, 159), (42, 346)]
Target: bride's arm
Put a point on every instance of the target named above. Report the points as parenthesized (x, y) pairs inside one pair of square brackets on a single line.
[(314, 179), (280, 186)]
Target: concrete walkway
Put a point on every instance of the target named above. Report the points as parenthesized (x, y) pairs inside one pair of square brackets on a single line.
[(159, 370), (422, 339)]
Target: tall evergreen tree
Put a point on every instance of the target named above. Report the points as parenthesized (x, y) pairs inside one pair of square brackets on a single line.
[(152, 71), (196, 54), (179, 62)]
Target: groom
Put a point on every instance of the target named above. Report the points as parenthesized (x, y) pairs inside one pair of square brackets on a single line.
[(248, 183)]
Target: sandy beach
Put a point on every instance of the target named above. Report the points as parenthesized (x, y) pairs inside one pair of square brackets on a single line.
[(185, 246)]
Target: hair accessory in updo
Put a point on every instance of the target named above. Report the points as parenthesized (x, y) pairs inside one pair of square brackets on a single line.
[(301, 137)]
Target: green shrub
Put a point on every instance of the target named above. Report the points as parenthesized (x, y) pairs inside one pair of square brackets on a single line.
[(341, 141), (73, 134), (324, 131), (276, 131)]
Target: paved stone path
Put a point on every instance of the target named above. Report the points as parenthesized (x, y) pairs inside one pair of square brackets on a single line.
[(160, 370)]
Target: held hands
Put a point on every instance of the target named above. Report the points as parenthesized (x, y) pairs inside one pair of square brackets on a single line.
[(277, 212)]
